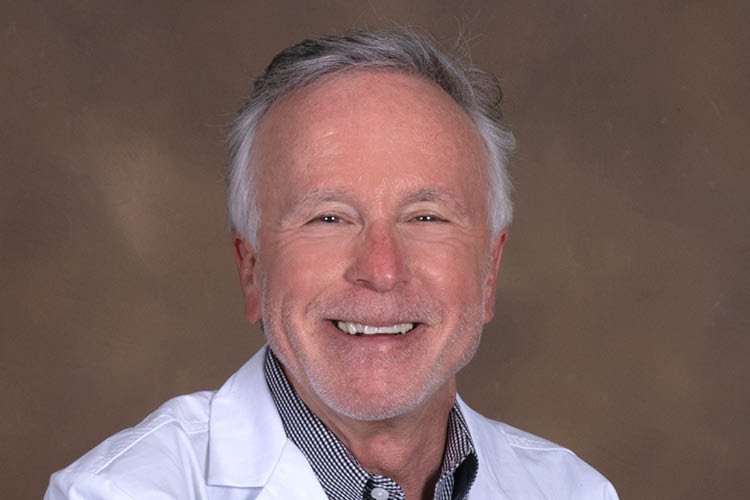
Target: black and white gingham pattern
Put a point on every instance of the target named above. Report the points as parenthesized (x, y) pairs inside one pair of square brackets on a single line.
[(341, 476)]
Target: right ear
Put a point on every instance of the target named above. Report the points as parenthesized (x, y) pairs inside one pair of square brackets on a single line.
[(244, 258)]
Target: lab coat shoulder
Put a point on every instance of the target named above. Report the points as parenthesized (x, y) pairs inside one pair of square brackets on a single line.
[(224, 445), (166, 452), (525, 466), (556, 469)]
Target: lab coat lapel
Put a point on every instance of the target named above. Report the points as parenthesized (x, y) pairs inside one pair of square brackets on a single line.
[(292, 478)]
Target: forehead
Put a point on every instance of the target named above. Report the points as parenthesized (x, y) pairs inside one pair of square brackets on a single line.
[(380, 127)]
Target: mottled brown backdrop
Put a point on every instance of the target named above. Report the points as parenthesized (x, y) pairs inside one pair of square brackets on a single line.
[(622, 325)]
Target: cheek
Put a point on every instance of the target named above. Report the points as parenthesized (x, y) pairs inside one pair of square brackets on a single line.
[(300, 269), (452, 269)]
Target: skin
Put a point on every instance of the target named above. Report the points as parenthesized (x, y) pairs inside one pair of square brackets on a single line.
[(372, 195)]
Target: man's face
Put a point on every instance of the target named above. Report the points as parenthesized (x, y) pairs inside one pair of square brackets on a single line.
[(372, 193)]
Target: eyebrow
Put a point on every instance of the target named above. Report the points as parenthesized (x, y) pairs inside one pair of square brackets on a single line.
[(437, 195), (312, 198), (322, 195)]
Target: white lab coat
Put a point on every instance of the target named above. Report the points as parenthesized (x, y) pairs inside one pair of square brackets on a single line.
[(230, 445)]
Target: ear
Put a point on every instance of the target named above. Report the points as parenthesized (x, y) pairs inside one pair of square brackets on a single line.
[(244, 258), (496, 252)]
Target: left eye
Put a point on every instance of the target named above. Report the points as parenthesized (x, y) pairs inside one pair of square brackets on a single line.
[(428, 218)]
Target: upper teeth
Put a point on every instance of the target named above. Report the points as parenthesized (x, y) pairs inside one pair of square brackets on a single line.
[(355, 328)]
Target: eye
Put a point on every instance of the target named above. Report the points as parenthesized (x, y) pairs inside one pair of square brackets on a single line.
[(428, 218), (328, 219)]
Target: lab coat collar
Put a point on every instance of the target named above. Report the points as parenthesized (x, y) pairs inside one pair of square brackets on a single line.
[(246, 437), (247, 444)]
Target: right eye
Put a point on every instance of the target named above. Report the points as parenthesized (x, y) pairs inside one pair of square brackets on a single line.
[(328, 219)]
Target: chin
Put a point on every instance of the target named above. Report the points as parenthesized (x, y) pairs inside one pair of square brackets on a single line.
[(373, 406)]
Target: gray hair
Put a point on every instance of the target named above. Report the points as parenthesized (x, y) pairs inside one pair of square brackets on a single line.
[(476, 91)]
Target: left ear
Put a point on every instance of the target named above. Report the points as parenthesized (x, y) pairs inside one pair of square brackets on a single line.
[(490, 286)]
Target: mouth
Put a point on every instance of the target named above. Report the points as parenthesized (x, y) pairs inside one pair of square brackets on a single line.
[(353, 328)]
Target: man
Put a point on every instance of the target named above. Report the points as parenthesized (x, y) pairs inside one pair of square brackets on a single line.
[(370, 204)]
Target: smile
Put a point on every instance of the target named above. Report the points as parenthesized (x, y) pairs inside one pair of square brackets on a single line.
[(359, 329)]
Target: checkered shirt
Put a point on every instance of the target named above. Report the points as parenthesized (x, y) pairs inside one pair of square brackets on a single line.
[(339, 473)]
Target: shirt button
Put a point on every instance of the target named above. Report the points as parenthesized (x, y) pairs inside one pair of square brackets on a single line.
[(379, 494)]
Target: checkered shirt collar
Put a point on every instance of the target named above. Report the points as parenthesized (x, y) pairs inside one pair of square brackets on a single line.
[(339, 473)]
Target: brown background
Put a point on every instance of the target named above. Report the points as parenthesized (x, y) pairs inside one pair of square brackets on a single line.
[(622, 325)]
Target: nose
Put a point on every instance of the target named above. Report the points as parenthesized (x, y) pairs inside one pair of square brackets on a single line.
[(378, 262)]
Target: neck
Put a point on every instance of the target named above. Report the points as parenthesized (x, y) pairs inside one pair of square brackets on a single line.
[(408, 448)]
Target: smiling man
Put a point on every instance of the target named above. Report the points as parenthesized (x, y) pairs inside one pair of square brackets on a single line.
[(369, 200)]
